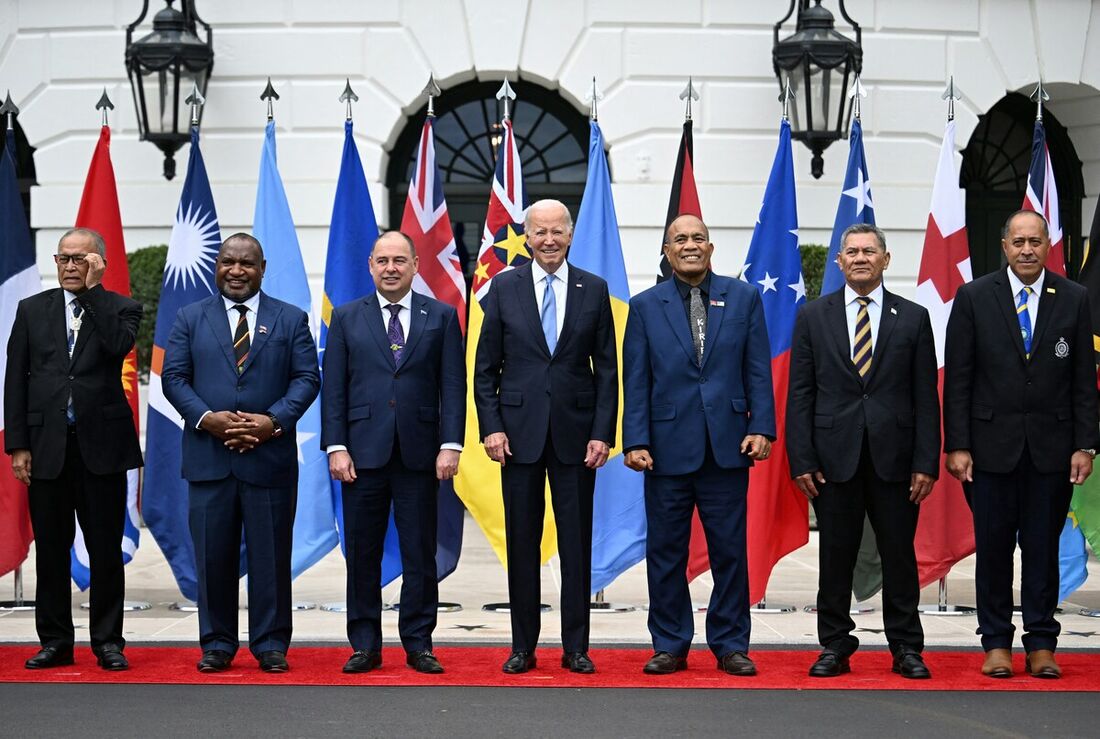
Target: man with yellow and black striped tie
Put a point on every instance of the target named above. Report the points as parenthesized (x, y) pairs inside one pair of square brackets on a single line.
[(863, 439)]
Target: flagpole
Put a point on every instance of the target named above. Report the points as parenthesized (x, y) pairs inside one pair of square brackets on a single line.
[(942, 607)]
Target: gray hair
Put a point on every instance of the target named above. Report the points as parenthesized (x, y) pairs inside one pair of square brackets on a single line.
[(864, 228), (97, 240), (546, 203), (1030, 212)]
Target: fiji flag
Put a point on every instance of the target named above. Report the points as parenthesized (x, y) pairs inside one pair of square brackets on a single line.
[(188, 276), (855, 206), (618, 514), (285, 278), (351, 236), (777, 517)]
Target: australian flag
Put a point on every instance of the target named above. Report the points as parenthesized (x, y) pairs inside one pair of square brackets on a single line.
[(855, 207)]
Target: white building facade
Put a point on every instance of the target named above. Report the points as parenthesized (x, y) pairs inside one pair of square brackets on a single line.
[(56, 56)]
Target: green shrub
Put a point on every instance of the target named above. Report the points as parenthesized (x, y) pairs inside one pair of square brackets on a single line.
[(146, 276), (813, 268)]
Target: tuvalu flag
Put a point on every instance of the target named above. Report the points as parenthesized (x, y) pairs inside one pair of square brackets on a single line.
[(618, 508), (778, 518), (18, 279), (188, 276), (99, 211), (503, 247), (945, 528)]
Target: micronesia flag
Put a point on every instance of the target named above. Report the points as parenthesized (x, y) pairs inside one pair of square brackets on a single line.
[(778, 521), (285, 278), (618, 510), (351, 236), (188, 276), (855, 207)]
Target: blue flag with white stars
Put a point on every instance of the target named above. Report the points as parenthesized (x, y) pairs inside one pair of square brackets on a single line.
[(855, 206)]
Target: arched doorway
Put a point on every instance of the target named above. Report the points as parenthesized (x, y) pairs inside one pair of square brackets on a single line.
[(994, 174), (24, 163), (551, 134)]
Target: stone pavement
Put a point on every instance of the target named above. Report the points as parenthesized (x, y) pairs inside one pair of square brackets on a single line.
[(480, 579)]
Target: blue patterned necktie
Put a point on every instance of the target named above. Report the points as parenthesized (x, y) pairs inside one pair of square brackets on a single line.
[(550, 314), (77, 309), (395, 333), (1025, 318)]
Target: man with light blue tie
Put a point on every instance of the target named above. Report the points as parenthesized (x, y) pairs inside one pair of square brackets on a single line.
[(547, 395)]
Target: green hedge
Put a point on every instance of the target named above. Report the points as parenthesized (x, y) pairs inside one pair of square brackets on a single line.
[(146, 275), (813, 268)]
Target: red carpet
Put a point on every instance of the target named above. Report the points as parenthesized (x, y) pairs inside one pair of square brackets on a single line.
[(617, 668)]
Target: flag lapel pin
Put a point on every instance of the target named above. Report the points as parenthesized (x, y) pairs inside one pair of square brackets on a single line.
[(423, 312), (261, 330), (718, 303), (894, 311), (1051, 290)]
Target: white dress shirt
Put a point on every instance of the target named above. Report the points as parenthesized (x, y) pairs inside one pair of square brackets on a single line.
[(874, 312), (234, 316), (560, 287), (69, 316), (1032, 300)]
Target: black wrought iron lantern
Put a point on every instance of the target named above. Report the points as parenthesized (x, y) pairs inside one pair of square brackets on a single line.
[(164, 67), (820, 63)]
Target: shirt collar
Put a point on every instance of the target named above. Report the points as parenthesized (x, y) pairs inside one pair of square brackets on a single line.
[(875, 295), (538, 274), (685, 289), (253, 303), (406, 302), (69, 297), (1017, 284)]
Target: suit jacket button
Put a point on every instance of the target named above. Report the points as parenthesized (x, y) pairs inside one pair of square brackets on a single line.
[(71, 377), (393, 403), (866, 397), (702, 380)]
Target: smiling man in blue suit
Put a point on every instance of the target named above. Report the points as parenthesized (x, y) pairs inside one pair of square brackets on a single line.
[(394, 417), (241, 368), (698, 410)]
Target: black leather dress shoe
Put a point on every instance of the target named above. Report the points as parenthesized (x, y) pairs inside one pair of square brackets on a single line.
[(578, 662), (737, 663), (110, 657), (829, 664), (273, 661), (50, 657), (520, 662), (363, 662), (665, 663), (216, 660), (425, 662), (911, 665)]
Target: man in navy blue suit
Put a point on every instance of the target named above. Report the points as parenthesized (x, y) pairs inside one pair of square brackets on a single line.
[(393, 420), (698, 410), (241, 368)]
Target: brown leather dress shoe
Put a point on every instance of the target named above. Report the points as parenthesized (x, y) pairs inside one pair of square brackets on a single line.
[(1040, 663), (998, 663), (665, 663), (737, 663)]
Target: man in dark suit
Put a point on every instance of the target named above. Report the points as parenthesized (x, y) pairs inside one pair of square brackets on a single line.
[(241, 368), (863, 440), (698, 409), (70, 433), (394, 416), (1020, 430), (547, 395)]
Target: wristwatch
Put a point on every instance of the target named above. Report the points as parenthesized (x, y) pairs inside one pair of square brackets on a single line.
[(1090, 452), (277, 429)]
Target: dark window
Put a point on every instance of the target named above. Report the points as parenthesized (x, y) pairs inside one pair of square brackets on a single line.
[(551, 134), (994, 174)]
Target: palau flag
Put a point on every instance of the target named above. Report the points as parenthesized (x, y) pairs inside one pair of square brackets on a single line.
[(99, 212), (618, 512), (855, 206), (188, 276), (778, 521), (285, 278), (351, 236)]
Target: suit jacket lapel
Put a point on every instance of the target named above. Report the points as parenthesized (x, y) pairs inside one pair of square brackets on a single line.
[(267, 314), (1006, 303), (525, 299), (888, 319), (219, 324), (418, 315), (838, 331), (1047, 304), (677, 319), (372, 313), (574, 291), (718, 289)]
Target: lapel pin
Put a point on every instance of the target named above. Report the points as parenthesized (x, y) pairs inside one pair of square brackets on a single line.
[(894, 311), (578, 284), (261, 330), (423, 312), (1051, 290), (718, 303)]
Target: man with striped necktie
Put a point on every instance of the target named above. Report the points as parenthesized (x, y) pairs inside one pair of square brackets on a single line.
[(1020, 430), (241, 368), (863, 439)]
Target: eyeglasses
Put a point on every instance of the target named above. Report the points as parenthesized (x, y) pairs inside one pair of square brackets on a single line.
[(64, 259)]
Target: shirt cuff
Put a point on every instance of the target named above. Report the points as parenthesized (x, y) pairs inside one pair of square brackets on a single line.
[(451, 446), (204, 415), (335, 448)]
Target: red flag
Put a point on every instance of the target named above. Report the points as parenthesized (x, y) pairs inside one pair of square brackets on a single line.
[(99, 211), (945, 530), (1041, 196), (684, 198)]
